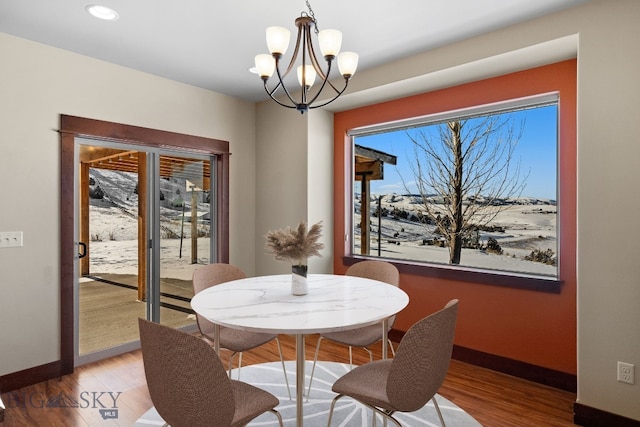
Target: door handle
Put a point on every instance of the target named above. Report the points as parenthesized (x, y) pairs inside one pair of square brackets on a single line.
[(83, 252)]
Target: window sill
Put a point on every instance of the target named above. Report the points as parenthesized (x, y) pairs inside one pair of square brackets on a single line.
[(466, 274)]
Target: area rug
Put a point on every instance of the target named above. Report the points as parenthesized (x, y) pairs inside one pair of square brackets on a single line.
[(269, 376)]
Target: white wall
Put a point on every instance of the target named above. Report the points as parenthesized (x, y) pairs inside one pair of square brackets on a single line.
[(37, 84), (281, 184), (320, 184), (608, 250), (605, 35), (294, 179)]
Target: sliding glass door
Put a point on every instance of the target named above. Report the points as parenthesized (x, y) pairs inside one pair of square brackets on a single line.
[(144, 223)]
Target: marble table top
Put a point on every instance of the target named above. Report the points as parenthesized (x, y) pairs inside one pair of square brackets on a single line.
[(265, 304)]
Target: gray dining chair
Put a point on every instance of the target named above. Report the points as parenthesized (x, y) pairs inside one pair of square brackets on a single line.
[(234, 340), (362, 337), (413, 377), (188, 383)]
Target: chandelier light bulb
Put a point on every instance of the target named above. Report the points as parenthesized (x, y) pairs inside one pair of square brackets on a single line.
[(265, 65), (309, 75), (278, 39), (347, 63), (330, 42)]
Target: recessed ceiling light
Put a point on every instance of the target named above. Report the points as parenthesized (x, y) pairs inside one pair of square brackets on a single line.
[(102, 12)]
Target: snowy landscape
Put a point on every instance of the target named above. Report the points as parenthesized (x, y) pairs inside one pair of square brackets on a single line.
[(114, 225), (529, 224)]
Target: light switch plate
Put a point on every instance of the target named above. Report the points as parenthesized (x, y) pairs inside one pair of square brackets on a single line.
[(10, 239)]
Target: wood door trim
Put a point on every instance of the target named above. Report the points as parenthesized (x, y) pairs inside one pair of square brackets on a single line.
[(72, 127)]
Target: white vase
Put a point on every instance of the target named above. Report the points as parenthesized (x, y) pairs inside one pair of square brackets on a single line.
[(299, 285)]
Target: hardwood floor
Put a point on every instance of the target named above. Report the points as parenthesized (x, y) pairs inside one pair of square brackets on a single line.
[(493, 399)]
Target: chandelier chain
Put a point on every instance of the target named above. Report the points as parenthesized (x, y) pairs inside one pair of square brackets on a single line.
[(313, 17)]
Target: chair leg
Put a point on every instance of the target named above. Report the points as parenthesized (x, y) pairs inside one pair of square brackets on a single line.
[(370, 353), (435, 403), (277, 414), (333, 404), (231, 362), (384, 414), (388, 416), (284, 369), (315, 360)]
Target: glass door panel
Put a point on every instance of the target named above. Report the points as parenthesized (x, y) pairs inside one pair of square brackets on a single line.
[(185, 232), (109, 302)]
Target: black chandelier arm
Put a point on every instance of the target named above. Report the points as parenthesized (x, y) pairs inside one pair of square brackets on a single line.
[(275, 88), (276, 58), (294, 56), (338, 91), (305, 105), (346, 84), (306, 38), (324, 82), (270, 93), (314, 58), (302, 106), (280, 84)]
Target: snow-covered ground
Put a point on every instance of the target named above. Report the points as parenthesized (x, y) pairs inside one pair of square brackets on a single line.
[(114, 227), (529, 224)]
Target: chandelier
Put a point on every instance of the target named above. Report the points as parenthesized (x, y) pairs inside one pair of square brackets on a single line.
[(329, 42)]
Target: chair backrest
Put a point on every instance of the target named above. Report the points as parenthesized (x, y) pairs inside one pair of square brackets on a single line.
[(187, 382), (210, 275), (213, 274), (376, 270), (422, 359), (382, 271)]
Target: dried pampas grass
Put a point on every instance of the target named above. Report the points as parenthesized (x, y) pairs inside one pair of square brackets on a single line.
[(295, 245)]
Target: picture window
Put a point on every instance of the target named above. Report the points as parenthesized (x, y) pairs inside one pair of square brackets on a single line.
[(474, 189)]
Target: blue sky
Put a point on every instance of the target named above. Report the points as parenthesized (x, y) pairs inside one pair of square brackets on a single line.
[(536, 151)]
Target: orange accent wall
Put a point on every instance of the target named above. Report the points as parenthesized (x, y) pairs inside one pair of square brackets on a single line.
[(525, 325)]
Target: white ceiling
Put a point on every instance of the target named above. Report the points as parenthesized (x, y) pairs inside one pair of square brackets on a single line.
[(211, 44)]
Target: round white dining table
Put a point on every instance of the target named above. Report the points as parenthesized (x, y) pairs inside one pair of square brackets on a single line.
[(333, 303)]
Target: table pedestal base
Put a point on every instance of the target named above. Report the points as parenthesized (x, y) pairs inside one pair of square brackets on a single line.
[(300, 377)]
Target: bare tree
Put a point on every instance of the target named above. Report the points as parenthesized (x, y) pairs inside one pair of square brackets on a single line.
[(465, 173)]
